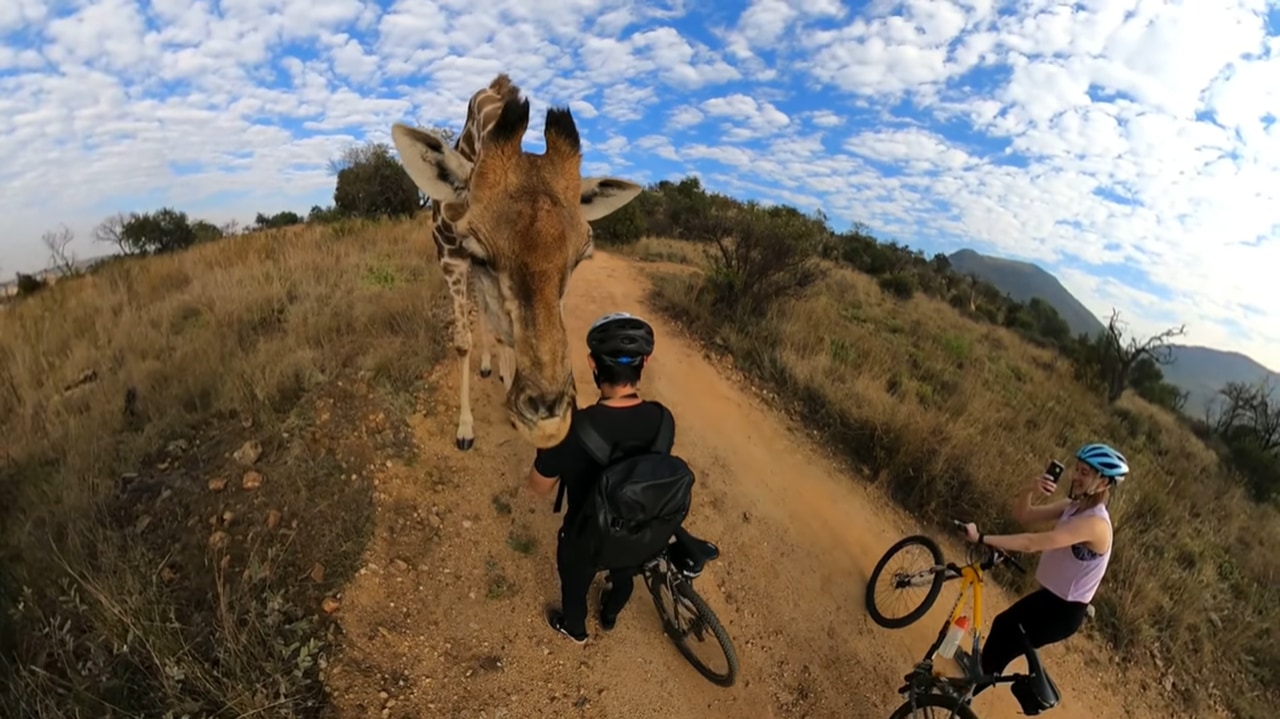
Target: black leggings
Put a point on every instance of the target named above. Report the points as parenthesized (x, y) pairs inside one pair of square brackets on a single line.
[(1046, 618), (575, 581)]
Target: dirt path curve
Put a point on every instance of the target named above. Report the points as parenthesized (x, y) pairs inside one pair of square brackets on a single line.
[(446, 618)]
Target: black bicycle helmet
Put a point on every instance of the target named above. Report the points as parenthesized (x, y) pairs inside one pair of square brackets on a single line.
[(620, 337)]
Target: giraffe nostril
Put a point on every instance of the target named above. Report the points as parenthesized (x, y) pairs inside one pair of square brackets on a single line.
[(539, 406)]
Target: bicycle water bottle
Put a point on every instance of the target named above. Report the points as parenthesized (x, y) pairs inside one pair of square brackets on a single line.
[(954, 634)]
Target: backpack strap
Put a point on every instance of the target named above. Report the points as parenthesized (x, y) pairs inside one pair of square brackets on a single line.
[(596, 446), (602, 452), (666, 432)]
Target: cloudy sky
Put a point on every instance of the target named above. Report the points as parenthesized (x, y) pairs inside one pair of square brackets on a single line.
[(1131, 147)]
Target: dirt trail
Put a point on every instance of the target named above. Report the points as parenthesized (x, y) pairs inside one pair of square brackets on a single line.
[(446, 618)]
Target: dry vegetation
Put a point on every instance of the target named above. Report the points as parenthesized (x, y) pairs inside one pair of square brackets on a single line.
[(953, 417), (139, 574), (173, 524)]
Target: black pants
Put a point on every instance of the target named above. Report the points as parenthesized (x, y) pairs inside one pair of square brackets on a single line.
[(1044, 616), (575, 580)]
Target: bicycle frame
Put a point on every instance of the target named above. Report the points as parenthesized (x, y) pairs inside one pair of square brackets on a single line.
[(970, 576), (923, 679)]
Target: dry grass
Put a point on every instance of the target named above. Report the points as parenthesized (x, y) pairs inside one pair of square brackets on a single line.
[(953, 417), (117, 596), (660, 249)]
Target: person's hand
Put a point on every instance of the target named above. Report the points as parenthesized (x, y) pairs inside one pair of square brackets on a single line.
[(1044, 485), (971, 532)]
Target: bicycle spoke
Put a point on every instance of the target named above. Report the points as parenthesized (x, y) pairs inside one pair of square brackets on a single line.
[(692, 626), (917, 575)]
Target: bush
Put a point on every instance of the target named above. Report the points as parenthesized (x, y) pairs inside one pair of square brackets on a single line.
[(898, 284), (761, 256)]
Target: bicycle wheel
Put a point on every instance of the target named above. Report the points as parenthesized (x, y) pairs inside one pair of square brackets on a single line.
[(947, 706), (700, 616), (931, 573)]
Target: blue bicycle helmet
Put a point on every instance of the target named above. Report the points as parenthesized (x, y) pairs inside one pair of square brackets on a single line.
[(1109, 463)]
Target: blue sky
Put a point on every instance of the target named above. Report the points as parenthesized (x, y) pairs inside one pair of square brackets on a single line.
[(1131, 148)]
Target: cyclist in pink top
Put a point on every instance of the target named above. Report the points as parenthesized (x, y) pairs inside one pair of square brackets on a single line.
[(1076, 553)]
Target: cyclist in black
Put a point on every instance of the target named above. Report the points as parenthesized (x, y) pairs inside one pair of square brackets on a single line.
[(619, 346)]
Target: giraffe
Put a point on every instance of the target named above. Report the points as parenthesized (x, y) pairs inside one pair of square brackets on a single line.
[(509, 229)]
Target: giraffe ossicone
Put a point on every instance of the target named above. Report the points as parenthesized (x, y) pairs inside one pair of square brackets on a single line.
[(509, 228)]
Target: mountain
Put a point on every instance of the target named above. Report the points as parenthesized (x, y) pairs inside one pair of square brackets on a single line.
[(1202, 371), (1199, 371), (1023, 280)]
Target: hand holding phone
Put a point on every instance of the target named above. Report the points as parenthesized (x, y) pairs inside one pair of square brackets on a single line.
[(1048, 482), (1054, 471)]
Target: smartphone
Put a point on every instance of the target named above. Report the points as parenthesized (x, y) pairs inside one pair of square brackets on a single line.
[(1054, 470)]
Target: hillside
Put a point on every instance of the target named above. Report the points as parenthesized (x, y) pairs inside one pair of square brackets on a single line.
[(256, 501), (1024, 280), (1200, 371)]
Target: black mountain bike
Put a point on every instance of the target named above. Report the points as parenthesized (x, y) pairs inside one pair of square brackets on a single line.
[(685, 615)]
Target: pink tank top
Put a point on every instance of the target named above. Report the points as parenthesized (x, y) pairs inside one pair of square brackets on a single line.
[(1074, 573)]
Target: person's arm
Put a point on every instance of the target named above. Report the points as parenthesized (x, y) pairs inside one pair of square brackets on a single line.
[(1029, 515), (1083, 529), (545, 471), (539, 485)]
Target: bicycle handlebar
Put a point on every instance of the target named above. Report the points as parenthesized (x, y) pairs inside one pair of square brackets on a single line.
[(998, 555)]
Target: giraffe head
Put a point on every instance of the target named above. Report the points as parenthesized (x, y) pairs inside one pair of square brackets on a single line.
[(521, 218)]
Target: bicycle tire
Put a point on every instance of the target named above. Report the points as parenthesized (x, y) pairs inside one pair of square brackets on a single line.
[(958, 709), (710, 619), (934, 590)]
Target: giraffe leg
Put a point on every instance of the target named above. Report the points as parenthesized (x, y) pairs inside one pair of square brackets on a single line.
[(455, 274), (486, 341), (506, 365)]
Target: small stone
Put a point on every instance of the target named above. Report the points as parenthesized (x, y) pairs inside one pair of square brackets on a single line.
[(273, 519), (330, 605), (248, 453), (434, 521), (466, 524), (218, 540), (383, 696), (317, 573), (227, 516), (399, 565), (217, 484), (252, 480)]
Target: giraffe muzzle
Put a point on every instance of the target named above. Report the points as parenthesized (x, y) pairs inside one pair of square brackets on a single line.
[(542, 417)]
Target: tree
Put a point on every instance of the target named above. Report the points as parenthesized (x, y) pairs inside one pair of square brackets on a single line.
[(763, 255), (1116, 355), (372, 183), (111, 232), (60, 258), (1250, 411), (205, 231), (165, 230), (280, 219), (1249, 426), (29, 284)]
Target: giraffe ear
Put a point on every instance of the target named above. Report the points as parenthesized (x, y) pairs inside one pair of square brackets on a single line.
[(440, 171), (603, 195)]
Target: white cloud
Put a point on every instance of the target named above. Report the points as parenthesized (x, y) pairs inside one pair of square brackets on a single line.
[(1082, 136)]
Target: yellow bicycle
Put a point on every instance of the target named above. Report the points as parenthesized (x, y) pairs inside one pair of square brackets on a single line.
[(925, 688)]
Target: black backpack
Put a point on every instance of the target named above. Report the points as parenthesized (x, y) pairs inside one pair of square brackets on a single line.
[(640, 497)]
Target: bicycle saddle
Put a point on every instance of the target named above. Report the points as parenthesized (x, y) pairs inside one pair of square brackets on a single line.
[(690, 554), (1034, 691)]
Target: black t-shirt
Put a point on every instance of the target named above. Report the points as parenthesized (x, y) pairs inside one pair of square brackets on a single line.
[(569, 460)]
